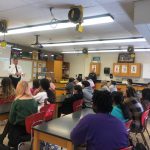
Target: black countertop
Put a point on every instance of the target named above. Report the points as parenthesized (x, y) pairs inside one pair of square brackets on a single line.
[(63, 126)]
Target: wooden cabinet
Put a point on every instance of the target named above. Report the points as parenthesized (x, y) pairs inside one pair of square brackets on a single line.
[(96, 67), (65, 70), (56, 68), (127, 69)]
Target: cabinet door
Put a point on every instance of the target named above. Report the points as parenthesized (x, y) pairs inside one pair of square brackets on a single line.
[(124, 70), (95, 67), (135, 70), (116, 69), (58, 70)]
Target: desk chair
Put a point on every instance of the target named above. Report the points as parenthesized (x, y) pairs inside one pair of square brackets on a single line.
[(77, 105), (128, 125), (49, 110), (127, 148), (30, 122)]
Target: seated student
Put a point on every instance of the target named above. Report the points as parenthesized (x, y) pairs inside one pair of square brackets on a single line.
[(104, 86), (119, 109), (100, 131), (87, 93), (135, 108), (52, 85), (45, 92), (70, 85), (23, 106), (78, 81), (146, 98), (67, 105), (148, 85), (90, 81), (35, 87), (113, 87), (129, 82), (7, 91)]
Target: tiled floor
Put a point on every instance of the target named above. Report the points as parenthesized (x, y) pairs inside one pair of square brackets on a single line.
[(132, 135)]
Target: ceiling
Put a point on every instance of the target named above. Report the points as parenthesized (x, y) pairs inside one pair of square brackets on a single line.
[(31, 12)]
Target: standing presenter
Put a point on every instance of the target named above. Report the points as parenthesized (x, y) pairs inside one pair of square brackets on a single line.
[(15, 72)]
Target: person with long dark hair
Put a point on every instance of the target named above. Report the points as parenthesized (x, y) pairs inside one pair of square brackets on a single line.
[(120, 110), (135, 107), (146, 98), (45, 92)]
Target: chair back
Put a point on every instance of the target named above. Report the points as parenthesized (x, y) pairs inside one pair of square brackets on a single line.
[(49, 110), (144, 118), (33, 120), (128, 125), (127, 148), (77, 105)]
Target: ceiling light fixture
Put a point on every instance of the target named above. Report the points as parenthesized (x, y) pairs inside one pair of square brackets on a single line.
[(108, 51), (18, 49), (126, 40), (61, 25)]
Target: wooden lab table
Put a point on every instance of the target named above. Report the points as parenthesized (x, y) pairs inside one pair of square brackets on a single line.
[(58, 130)]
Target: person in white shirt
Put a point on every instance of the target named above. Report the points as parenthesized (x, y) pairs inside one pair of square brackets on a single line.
[(92, 85), (113, 87), (15, 72), (104, 86)]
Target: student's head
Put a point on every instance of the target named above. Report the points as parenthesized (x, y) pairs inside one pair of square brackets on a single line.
[(36, 84), (15, 61), (44, 83), (146, 94), (148, 85), (102, 102), (7, 87), (77, 89), (71, 79), (79, 79), (22, 89), (129, 81), (87, 78), (113, 83), (117, 98), (130, 92), (85, 84)]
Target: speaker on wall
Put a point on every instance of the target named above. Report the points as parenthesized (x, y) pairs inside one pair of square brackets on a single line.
[(106, 70)]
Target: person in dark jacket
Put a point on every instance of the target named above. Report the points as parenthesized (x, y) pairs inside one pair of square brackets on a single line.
[(70, 86), (92, 75), (67, 105)]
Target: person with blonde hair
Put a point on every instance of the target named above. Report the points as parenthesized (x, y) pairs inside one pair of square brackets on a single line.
[(23, 106)]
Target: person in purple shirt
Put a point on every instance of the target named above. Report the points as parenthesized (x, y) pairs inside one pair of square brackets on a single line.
[(100, 131)]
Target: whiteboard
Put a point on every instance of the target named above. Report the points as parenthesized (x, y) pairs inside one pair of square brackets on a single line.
[(146, 71), (26, 66), (4, 61)]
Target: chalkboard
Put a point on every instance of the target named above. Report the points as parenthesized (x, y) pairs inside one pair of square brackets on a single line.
[(146, 71)]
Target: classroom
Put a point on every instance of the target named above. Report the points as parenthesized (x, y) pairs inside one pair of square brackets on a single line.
[(75, 75)]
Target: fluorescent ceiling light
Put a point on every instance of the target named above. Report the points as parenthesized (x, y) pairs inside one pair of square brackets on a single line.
[(107, 51), (61, 25), (18, 49), (96, 42)]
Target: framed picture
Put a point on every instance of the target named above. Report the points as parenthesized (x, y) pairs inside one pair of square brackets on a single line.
[(126, 58)]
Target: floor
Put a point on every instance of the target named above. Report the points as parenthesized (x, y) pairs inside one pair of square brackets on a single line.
[(132, 135)]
